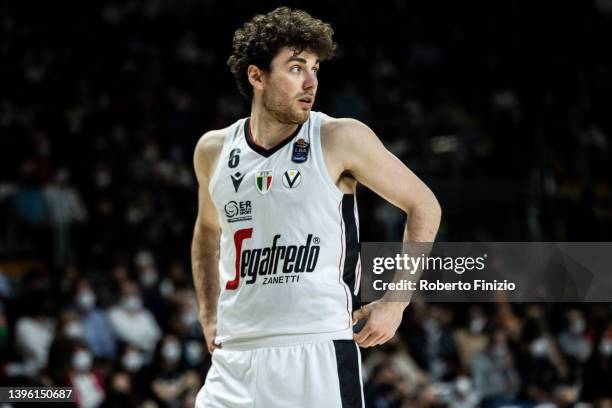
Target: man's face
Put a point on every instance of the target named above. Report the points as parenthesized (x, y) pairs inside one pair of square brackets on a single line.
[(291, 85)]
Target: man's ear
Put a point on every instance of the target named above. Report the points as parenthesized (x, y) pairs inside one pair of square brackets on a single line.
[(256, 77)]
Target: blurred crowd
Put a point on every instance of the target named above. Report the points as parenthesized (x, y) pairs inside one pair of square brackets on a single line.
[(101, 107), (495, 355), (131, 338), (127, 338)]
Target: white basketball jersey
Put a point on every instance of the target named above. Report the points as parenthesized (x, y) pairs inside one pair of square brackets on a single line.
[(289, 260)]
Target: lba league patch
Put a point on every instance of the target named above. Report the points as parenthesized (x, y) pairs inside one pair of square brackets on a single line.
[(263, 181), (300, 151), (292, 178)]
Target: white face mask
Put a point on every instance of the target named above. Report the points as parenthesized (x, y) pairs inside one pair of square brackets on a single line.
[(193, 352), (578, 326), (189, 318), (605, 347), (132, 361), (539, 347), (171, 352), (86, 299), (166, 288), (148, 278), (463, 385), (132, 302), (476, 325), (81, 360), (74, 330)]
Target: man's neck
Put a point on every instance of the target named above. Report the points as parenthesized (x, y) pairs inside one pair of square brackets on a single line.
[(266, 131)]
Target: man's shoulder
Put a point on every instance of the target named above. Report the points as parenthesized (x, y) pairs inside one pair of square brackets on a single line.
[(208, 149), (211, 142), (339, 127), (343, 133)]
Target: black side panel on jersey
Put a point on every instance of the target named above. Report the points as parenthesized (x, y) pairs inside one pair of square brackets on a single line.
[(348, 373), (351, 242)]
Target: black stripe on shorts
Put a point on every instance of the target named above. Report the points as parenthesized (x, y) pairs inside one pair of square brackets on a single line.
[(347, 361)]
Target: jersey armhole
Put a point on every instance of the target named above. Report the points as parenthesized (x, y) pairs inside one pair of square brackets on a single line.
[(217, 170), (320, 158)]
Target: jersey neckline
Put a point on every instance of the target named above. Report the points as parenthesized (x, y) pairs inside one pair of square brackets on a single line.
[(262, 150)]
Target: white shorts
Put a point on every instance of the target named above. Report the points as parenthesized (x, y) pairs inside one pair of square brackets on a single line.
[(321, 374)]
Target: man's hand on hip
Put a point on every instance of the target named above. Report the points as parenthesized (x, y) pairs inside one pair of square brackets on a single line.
[(383, 319), (210, 331)]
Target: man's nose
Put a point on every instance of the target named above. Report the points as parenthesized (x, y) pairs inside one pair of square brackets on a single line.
[(310, 80)]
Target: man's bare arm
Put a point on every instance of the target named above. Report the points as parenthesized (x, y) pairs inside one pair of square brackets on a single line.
[(360, 153), (391, 179), (206, 234)]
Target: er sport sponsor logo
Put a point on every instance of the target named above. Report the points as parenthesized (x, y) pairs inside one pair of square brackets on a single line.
[(238, 211), (276, 263)]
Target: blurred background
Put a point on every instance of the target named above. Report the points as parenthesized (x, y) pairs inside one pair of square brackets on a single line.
[(502, 108)]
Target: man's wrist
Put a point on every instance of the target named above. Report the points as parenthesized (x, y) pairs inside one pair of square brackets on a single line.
[(207, 319), (396, 303)]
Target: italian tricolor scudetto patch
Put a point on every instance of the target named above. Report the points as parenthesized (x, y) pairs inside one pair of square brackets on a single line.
[(263, 181)]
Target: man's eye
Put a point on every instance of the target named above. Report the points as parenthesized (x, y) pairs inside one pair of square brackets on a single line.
[(296, 68)]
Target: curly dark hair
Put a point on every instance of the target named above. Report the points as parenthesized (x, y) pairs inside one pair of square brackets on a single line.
[(258, 41)]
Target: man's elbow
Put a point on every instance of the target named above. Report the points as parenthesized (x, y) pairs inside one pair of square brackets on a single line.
[(205, 235), (427, 207), (436, 208)]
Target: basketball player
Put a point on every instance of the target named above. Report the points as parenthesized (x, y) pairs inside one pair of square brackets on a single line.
[(275, 247)]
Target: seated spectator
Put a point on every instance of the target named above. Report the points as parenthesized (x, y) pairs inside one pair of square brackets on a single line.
[(574, 344), (194, 354), (131, 322), (87, 385), (129, 379), (462, 394), (149, 280), (33, 336), (495, 377), (542, 366), (68, 335), (97, 332), (395, 355), (433, 346), (65, 208), (119, 393), (383, 388), (172, 382), (597, 381), (29, 202), (471, 340)]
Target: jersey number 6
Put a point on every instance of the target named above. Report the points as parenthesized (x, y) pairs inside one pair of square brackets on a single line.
[(234, 158)]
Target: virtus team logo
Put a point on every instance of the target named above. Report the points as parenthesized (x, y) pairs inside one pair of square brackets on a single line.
[(275, 264), (291, 178), (263, 181)]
